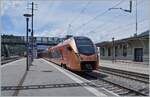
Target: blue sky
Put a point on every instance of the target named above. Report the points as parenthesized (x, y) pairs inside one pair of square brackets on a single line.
[(54, 16)]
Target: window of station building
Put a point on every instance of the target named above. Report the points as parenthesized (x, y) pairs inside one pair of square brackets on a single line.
[(103, 51), (109, 51), (44, 39), (38, 39), (124, 50), (50, 39), (116, 50)]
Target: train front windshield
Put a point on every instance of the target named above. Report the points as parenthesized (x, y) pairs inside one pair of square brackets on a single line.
[(85, 46)]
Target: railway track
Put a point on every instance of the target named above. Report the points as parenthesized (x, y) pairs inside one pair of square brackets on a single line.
[(112, 86), (101, 79), (98, 78), (144, 78), (9, 60)]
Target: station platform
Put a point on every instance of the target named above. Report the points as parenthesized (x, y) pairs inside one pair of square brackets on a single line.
[(130, 66), (44, 79)]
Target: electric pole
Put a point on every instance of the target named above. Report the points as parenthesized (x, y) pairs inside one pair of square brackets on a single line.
[(32, 32), (136, 18)]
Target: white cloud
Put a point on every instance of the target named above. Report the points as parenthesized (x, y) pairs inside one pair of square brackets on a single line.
[(51, 33), (9, 4), (53, 16)]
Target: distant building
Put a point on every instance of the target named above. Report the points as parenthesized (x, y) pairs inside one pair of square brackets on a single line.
[(133, 49)]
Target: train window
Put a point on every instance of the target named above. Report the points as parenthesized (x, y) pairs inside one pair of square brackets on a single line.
[(85, 46), (49, 54), (61, 55), (53, 54), (84, 41), (57, 54)]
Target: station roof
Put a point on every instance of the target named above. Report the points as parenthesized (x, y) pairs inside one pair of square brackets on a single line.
[(144, 35)]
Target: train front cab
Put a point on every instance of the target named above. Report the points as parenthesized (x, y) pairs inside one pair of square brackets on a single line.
[(85, 59), (88, 63), (80, 62)]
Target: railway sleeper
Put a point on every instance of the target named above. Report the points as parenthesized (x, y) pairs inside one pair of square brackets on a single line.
[(110, 87), (113, 88), (126, 76), (106, 85), (119, 90), (145, 91), (100, 85), (126, 72), (124, 93)]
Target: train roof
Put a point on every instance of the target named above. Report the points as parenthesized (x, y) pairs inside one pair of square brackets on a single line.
[(67, 41)]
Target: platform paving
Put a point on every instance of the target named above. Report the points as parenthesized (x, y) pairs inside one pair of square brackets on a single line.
[(43, 79), (133, 67)]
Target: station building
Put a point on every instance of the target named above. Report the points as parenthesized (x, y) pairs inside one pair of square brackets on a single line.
[(132, 49)]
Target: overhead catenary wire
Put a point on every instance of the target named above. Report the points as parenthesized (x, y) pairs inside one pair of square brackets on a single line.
[(81, 12), (97, 16), (104, 24), (128, 25), (125, 28), (140, 23), (76, 17)]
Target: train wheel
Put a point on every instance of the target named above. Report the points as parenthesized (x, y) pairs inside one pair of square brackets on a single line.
[(64, 66), (61, 65)]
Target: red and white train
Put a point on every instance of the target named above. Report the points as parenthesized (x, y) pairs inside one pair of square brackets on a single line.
[(76, 53)]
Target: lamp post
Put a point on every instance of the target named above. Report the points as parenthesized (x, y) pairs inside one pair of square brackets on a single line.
[(136, 18), (27, 37)]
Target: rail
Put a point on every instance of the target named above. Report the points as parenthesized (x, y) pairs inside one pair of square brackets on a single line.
[(126, 74), (7, 60), (114, 86)]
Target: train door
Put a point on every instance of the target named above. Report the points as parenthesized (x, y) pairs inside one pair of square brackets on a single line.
[(138, 54), (67, 57)]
